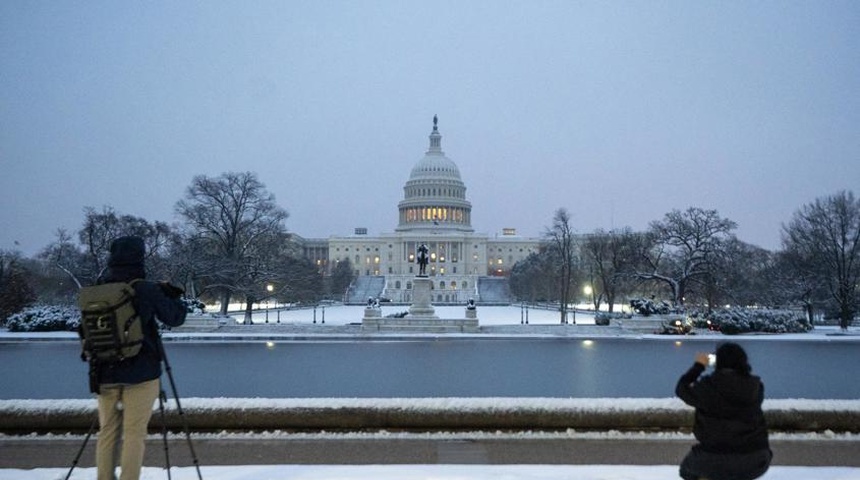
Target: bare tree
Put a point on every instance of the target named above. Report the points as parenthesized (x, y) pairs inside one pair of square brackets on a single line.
[(823, 242), (341, 277), (265, 273), (16, 290), (789, 285), (742, 275), (64, 255), (608, 256), (234, 216), (562, 244), (86, 262), (100, 228), (682, 247), (533, 278)]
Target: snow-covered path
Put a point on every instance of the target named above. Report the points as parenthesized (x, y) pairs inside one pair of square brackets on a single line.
[(432, 472)]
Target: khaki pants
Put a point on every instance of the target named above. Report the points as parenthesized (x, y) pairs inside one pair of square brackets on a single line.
[(124, 413)]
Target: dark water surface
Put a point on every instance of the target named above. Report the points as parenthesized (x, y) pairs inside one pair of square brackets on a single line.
[(443, 367)]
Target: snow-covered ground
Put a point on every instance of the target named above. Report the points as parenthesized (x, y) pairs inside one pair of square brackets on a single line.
[(432, 472), (346, 314)]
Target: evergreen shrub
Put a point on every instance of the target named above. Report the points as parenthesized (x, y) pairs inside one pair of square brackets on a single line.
[(731, 321), (45, 318)]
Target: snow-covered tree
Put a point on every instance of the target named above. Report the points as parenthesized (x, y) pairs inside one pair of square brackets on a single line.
[(822, 242), (682, 249), (235, 218)]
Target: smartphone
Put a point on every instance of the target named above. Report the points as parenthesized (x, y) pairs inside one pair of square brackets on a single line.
[(712, 359)]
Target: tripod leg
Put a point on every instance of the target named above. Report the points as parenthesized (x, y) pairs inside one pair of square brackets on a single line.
[(83, 445), (179, 408), (162, 398)]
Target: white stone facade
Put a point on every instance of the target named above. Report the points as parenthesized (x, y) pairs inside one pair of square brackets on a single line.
[(434, 211)]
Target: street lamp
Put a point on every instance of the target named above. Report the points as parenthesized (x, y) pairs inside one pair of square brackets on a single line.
[(589, 292), (269, 288)]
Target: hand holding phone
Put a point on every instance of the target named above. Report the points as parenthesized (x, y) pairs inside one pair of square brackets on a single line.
[(703, 358)]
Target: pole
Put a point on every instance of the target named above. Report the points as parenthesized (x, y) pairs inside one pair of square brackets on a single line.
[(83, 445), (162, 399), (179, 410)]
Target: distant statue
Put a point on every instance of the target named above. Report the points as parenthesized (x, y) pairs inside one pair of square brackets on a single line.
[(471, 304), (369, 301), (423, 260)]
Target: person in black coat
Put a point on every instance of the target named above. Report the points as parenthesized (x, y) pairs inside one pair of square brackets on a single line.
[(128, 389), (729, 422)]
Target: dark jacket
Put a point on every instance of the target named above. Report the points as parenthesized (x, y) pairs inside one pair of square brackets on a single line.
[(729, 418), (150, 302)]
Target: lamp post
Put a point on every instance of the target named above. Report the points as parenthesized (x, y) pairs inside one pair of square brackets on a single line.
[(589, 292), (269, 288)]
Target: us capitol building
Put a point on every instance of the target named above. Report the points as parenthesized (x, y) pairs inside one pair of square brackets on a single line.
[(435, 211)]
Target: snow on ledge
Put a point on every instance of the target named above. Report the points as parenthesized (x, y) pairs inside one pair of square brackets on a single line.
[(485, 404)]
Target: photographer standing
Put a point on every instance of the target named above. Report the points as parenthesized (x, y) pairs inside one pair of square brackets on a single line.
[(729, 423), (128, 389)]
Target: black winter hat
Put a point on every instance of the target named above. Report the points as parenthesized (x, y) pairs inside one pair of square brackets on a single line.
[(731, 355), (127, 251)]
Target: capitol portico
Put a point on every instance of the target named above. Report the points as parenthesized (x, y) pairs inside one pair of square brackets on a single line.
[(434, 211)]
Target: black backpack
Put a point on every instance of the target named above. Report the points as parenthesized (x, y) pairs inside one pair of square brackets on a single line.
[(111, 329)]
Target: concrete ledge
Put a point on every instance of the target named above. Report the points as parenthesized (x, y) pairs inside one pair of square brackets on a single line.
[(419, 324), (202, 322), (445, 414)]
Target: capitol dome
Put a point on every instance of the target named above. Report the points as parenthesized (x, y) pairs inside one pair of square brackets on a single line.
[(435, 165), (434, 197)]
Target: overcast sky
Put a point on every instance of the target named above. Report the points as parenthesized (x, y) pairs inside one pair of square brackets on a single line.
[(617, 111)]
